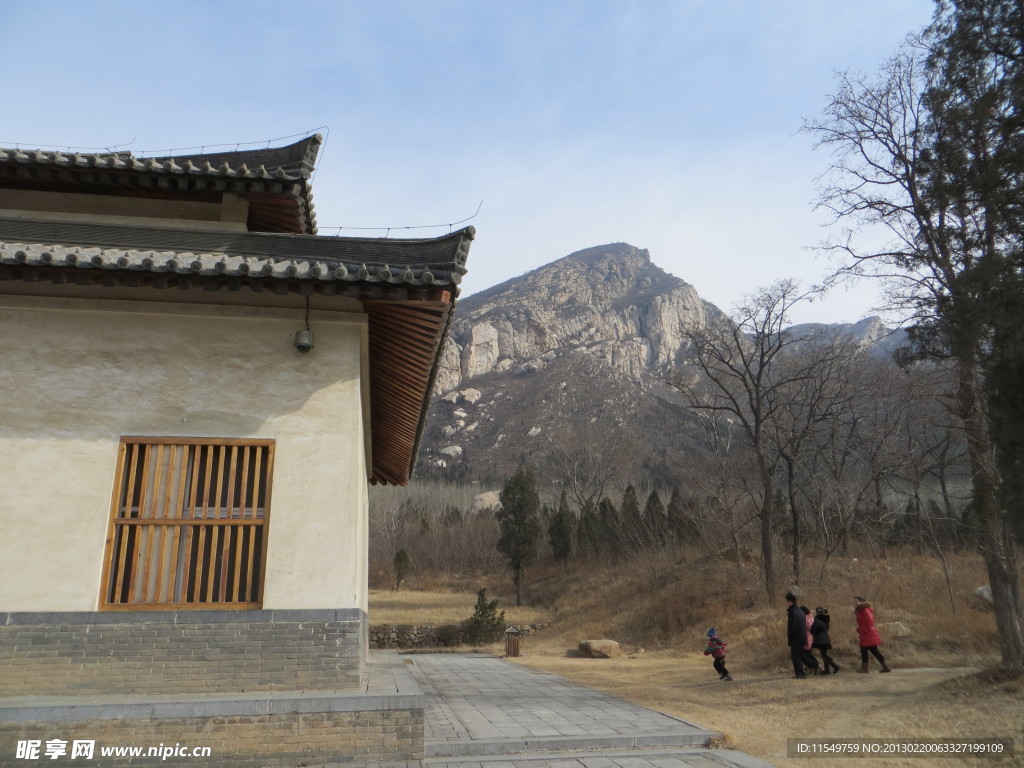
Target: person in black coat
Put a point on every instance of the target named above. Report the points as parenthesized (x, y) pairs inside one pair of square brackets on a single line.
[(821, 640), (796, 634)]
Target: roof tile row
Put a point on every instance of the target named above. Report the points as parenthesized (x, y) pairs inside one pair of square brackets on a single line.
[(216, 264), (295, 162)]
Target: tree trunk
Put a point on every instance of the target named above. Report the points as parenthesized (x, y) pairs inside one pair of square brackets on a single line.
[(994, 532), (767, 555), (796, 519)]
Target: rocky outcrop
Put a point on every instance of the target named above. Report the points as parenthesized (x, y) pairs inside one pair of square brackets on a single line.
[(610, 303), (600, 649), (870, 333), (486, 500)]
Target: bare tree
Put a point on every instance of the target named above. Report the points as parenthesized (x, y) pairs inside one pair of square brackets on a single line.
[(819, 391), (585, 463), (722, 497), (742, 378), (929, 153)]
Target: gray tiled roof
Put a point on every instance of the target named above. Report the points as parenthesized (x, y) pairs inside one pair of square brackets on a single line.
[(293, 162), (254, 256), (274, 180)]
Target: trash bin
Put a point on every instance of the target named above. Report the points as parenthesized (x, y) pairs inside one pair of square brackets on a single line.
[(512, 635)]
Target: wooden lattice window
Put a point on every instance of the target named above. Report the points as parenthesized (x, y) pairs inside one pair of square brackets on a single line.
[(188, 524)]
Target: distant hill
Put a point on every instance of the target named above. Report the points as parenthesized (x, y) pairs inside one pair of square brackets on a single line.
[(575, 352)]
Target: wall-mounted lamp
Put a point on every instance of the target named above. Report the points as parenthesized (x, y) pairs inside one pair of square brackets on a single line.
[(303, 340)]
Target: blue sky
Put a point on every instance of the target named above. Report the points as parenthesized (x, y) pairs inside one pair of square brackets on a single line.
[(672, 125)]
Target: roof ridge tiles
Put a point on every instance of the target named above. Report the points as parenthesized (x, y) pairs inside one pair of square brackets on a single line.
[(295, 161), (277, 177), (219, 263)]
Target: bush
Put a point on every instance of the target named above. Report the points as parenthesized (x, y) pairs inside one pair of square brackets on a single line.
[(486, 625), (449, 635)]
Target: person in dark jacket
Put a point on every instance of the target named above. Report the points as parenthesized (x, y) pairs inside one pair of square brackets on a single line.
[(821, 639), (796, 634)]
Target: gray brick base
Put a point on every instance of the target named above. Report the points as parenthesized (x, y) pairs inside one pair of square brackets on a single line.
[(176, 652)]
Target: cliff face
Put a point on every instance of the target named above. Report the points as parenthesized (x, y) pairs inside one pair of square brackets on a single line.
[(571, 353), (609, 303)]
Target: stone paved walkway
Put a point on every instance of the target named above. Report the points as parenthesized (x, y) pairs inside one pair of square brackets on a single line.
[(484, 712)]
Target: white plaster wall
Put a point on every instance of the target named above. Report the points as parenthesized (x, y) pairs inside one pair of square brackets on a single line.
[(76, 375)]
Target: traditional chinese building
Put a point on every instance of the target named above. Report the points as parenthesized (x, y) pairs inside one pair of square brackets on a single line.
[(197, 390)]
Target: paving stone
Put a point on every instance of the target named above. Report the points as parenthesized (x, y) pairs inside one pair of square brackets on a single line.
[(484, 712)]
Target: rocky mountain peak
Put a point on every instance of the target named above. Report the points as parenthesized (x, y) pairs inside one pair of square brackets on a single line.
[(611, 257), (609, 302), (572, 353)]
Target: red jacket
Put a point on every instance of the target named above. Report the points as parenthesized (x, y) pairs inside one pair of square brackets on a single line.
[(716, 647), (867, 632), (810, 638)]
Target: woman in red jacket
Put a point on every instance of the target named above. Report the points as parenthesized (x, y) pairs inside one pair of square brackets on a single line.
[(867, 634)]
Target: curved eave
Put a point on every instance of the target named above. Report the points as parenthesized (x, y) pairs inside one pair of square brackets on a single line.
[(155, 255), (405, 344), (274, 181)]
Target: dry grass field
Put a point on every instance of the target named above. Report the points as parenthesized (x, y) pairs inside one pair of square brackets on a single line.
[(945, 682)]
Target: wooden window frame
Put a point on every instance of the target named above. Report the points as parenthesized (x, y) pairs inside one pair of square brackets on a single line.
[(188, 524)]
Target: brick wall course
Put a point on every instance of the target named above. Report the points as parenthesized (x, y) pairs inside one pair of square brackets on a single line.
[(173, 652)]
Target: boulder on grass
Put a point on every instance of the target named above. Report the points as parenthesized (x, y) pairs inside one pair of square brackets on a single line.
[(487, 500), (600, 649)]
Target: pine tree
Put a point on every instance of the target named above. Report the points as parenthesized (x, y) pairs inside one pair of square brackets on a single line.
[(402, 565), (486, 625), (560, 531), (681, 524), (588, 531), (609, 529), (519, 524), (655, 523), (631, 521)]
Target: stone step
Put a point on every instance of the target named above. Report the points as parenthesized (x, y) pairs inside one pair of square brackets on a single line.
[(688, 737)]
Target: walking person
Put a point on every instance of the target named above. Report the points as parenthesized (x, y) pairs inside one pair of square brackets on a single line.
[(822, 640), (796, 635), (716, 648), (808, 655), (867, 634)]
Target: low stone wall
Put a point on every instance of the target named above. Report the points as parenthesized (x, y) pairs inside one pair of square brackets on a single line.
[(388, 637), (176, 652), (406, 636)]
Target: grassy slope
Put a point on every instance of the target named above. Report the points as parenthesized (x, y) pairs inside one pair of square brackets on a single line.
[(664, 605)]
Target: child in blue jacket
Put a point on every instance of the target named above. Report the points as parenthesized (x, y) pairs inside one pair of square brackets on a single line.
[(716, 648)]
